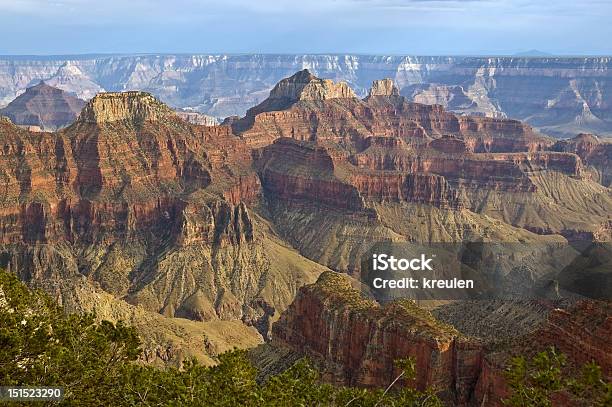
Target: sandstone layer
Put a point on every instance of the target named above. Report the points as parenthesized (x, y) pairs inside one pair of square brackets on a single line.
[(562, 95), (134, 202), (43, 107), (210, 231), (356, 341)]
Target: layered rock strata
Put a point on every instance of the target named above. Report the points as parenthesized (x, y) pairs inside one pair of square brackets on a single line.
[(43, 107), (225, 223), (134, 203), (359, 340), (356, 341)]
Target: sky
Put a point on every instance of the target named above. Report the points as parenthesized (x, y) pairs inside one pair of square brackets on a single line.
[(408, 27)]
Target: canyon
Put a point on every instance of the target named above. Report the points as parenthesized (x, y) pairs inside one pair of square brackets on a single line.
[(211, 236), (562, 96), (355, 341)]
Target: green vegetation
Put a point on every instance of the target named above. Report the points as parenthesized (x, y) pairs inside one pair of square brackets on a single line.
[(536, 381), (96, 364)]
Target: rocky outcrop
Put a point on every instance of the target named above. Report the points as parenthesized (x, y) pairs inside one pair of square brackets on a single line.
[(565, 95), (43, 107), (594, 152), (305, 86), (123, 106), (358, 340), (302, 107), (355, 340), (383, 87)]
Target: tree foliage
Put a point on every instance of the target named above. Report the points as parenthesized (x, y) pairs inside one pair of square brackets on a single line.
[(534, 382), (96, 364)]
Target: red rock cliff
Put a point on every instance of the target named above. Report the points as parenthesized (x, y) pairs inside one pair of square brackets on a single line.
[(359, 340)]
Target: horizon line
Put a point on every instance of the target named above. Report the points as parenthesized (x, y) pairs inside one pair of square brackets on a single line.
[(467, 55)]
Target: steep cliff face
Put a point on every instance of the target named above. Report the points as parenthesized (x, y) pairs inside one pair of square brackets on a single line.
[(123, 106), (359, 340), (297, 171), (136, 203), (386, 149), (43, 107), (383, 87), (562, 95), (594, 152), (431, 189), (356, 340)]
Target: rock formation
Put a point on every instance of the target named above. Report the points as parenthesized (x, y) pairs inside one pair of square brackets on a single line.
[(131, 106), (563, 96), (355, 341), (594, 152), (372, 144), (44, 107), (126, 180), (305, 86), (136, 212), (359, 340), (383, 87)]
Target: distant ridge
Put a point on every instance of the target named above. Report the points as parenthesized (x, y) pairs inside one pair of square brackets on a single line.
[(43, 107), (222, 85), (533, 53)]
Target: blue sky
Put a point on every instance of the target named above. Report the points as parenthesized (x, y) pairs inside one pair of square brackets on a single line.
[(423, 27)]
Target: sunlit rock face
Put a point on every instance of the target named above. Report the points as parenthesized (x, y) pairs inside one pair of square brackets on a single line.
[(563, 96), (383, 87), (139, 215), (143, 215), (355, 340)]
